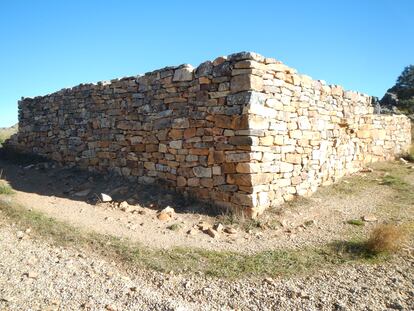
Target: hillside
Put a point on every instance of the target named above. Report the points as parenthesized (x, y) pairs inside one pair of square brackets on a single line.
[(6, 132)]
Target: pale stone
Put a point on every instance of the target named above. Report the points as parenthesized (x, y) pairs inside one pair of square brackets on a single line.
[(162, 148), (105, 198), (180, 123), (200, 171), (184, 74), (248, 167), (286, 167), (267, 141), (294, 158), (176, 144), (216, 170), (369, 218), (303, 123)]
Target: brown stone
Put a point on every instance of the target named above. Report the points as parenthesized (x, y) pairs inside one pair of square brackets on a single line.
[(176, 134), (190, 132), (213, 233), (181, 181), (248, 167), (164, 216), (245, 82), (222, 121)]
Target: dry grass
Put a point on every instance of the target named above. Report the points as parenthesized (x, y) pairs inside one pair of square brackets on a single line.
[(410, 156), (5, 188), (226, 264), (386, 238)]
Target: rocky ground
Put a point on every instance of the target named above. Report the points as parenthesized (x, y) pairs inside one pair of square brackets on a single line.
[(74, 197), (39, 274), (35, 275)]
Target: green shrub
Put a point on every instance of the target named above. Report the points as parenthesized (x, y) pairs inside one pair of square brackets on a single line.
[(355, 222), (5, 188)]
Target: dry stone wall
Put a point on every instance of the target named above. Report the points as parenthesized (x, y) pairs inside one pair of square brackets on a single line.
[(245, 131)]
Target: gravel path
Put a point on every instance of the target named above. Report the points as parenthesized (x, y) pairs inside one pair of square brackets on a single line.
[(35, 275)]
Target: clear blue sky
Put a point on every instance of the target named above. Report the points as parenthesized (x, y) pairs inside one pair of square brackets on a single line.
[(49, 45)]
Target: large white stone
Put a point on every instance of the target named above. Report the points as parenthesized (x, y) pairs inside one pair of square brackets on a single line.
[(303, 123)]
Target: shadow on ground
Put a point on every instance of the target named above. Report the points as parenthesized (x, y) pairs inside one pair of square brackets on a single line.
[(35, 174)]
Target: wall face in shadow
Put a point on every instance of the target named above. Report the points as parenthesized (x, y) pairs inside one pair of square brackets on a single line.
[(244, 131)]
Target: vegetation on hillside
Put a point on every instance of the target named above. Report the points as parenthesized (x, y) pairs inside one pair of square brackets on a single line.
[(402, 93), (6, 132)]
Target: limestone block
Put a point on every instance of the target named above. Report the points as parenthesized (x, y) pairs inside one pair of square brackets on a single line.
[(294, 158), (245, 82), (184, 73), (200, 171), (244, 199), (249, 64), (286, 167), (263, 199), (248, 167), (278, 140), (176, 144), (216, 170), (364, 134), (193, 182), (180, 123), (237, 157), (267, 140), (303, 123), (278, 67)]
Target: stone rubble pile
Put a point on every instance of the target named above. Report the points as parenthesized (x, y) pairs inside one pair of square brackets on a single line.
[(244, 131)]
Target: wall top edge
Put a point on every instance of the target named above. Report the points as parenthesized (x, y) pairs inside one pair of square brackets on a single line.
[(198, 72)]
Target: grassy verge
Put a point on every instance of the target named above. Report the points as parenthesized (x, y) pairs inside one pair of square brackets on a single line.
[(397, 177), (184, 260)]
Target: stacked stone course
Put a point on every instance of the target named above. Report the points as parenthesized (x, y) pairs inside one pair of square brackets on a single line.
[(244, 131)]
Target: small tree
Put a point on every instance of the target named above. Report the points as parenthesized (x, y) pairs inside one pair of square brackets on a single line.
[(402, 93), (404, 88)]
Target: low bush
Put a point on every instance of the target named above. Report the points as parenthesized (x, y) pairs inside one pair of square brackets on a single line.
[(386, 238), (5, 188)]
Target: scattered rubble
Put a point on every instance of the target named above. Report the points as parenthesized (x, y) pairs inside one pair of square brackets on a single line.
[(105, 197), (213, 233), (230, 230), (166, 214), (369, 218)]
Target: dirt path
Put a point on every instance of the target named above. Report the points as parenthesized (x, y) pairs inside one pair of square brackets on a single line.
[(321, 219)]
